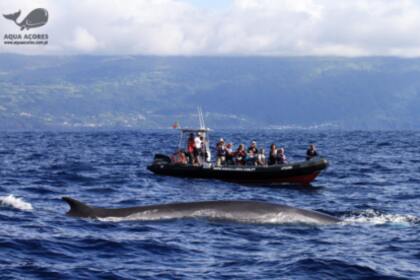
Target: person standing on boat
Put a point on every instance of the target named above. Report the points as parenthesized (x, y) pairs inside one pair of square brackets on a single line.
[(272, 157), (221, 152), (311, 152), (190, 148), (281, 157), (205, 157), (197, 150)]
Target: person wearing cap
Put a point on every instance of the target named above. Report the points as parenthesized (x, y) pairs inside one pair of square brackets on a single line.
[(221, 152), (253, 147)]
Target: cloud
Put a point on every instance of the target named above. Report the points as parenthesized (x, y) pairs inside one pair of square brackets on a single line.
[(83, 40), (245, 27)]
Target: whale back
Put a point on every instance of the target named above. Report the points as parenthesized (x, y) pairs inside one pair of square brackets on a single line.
[(242, 211)]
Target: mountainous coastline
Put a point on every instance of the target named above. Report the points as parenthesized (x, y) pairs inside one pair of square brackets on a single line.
[(85, 92)]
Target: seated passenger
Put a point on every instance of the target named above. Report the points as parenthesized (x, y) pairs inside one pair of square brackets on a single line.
[(261, 157), (251, 158), (281, 157), (240, 155), (311, 152), (253, 147), (179, 157), (221, 152), (229, 154), (272, 157)]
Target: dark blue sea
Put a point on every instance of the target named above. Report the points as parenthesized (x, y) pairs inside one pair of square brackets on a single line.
[(372, 184)]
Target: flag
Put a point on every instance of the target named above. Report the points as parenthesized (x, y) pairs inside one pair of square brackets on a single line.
[(175, 125)]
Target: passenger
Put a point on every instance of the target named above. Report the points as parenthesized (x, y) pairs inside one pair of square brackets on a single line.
[(251, 158), (190, 148), (197, 150), (179, 157), (253, 147), (229, 154), (240, 155), (311, 152), (221, 152), (204, 153), (281, 157), (272, 157), (261, 157)]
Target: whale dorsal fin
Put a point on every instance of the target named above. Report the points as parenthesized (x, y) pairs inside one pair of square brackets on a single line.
[(79, 209)]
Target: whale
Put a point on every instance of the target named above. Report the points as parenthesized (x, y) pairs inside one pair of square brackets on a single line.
[(247, 211), (35, 18)]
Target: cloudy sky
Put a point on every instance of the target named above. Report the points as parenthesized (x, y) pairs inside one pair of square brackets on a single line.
[(222, 27)]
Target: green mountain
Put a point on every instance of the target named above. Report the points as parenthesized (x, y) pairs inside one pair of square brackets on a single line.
[(74, 92)]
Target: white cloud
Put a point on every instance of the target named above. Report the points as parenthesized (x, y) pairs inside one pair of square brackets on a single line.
[(246, 27), (83, 40)]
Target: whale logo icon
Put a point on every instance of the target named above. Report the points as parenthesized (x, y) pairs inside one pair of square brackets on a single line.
[(36, 18)]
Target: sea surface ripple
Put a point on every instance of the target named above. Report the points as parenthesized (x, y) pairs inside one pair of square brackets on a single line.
[(372, 184)]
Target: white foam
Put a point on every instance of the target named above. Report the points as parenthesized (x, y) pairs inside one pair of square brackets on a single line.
[(371, 216), (272, 218), (15, 202)]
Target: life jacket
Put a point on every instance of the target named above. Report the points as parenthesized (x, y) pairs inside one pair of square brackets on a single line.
[(221, 151), (190, 146)]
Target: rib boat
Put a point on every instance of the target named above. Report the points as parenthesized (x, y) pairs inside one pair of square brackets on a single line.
[(300, 173)]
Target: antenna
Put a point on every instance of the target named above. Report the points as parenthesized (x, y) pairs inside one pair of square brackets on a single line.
[(200, 117)]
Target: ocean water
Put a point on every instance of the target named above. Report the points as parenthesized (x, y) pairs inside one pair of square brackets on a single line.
[(372, 184)]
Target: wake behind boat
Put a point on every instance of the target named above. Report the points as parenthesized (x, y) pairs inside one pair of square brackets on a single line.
[(192, 164)]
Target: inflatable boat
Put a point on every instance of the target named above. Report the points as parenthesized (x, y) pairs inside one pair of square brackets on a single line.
[(301, 173)]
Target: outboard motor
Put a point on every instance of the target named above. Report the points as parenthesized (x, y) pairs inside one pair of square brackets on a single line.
[(160, 159)]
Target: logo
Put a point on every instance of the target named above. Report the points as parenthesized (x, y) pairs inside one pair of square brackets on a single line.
[(34, 19)]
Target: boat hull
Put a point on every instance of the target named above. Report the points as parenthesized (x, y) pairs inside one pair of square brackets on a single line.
[(302, 173)]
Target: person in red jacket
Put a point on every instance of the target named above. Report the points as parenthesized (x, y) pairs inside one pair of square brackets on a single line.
[(190, 148)]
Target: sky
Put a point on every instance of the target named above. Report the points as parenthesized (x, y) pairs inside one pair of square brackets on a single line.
[(348, 28)]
